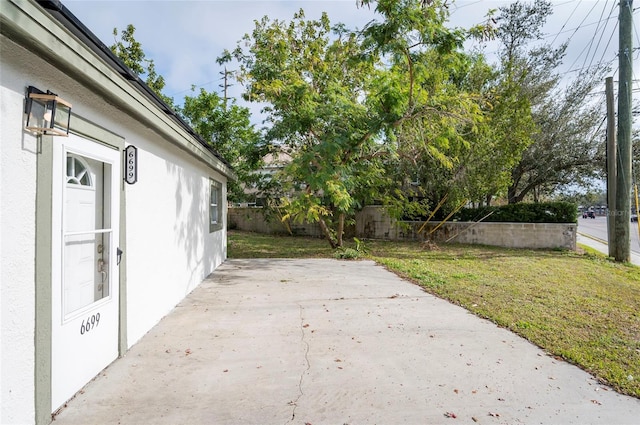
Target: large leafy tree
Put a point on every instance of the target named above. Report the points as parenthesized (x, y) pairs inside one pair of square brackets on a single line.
[(359, 111), (557, 125), (421, 95), (314, 87)]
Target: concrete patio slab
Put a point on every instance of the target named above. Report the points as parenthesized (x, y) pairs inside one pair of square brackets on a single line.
[(335, 342)]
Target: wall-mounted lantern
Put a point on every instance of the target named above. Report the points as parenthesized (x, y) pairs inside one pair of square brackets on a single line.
[(131, 164), (47, 113)]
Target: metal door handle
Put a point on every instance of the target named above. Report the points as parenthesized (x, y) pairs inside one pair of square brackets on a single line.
[(101, 269)]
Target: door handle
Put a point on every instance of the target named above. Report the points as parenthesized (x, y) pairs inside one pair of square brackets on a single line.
[(119, 253), (101, 269)]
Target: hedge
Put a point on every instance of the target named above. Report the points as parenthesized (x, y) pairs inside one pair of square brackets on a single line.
[(547, 212)]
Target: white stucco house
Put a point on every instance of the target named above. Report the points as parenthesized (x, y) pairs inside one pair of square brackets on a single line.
[(102, 231)]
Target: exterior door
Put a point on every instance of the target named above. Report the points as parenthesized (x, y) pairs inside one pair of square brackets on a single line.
[(85, 304)]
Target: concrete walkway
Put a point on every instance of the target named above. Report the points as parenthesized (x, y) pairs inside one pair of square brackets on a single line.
[(335, 342)]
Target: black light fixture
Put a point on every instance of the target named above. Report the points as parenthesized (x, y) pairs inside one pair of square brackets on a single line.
[(47, 113)]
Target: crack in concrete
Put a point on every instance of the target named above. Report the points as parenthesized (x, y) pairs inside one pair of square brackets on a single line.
[(294, 403)]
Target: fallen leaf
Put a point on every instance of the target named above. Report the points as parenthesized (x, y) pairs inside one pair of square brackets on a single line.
[(596, 402), (450, 415), (187, 351), (456, 391), (495, 415), (474, 419), (337, 360), (305, 326), (226, 370)]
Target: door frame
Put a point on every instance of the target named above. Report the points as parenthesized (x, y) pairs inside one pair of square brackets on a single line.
[(43, 264)]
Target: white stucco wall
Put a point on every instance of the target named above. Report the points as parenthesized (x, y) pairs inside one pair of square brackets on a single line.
[(169, 248), (18, 156)]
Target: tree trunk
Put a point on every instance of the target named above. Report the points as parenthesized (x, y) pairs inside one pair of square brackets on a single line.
[(340, 228), (327, 233), (511, 194)]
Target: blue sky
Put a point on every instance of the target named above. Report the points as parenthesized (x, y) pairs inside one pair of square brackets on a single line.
[(184, 37)]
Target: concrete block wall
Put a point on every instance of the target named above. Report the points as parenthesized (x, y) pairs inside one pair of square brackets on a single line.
[(509, 235), (374, 223), (252, 219)]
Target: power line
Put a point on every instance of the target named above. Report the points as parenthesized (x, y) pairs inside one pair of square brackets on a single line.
[(599, 40), (566, 22)]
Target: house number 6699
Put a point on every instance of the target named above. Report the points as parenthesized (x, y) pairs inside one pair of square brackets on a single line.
[(91, 322)]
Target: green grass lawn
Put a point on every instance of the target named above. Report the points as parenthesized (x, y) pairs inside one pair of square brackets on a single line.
[(578, 306)]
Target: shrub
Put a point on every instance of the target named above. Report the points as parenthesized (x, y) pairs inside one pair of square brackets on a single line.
[(352, 253), (546, 212)]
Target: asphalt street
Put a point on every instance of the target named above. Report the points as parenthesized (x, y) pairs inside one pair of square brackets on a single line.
[(597, 228)]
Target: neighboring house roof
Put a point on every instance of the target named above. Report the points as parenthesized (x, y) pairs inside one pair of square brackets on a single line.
[(16, 27)]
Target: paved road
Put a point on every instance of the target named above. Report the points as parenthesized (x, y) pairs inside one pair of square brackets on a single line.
[(597, 228)]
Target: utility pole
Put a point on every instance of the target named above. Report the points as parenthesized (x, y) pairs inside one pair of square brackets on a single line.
[(225, 86), (622, 251), (611, 166)]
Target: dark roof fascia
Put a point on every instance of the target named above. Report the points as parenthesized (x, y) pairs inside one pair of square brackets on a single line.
[(77, 28)]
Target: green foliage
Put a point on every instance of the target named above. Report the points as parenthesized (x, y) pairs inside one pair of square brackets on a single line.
[(314, 88), (228, 129), (558, 124), (547, 212), (348, 253), (359, 112), (130, 52)]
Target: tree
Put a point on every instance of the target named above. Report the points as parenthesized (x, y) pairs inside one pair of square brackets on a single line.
[(228, 129), (349, 107), (444, 143), (130, 52), (557, 125), (314, 89)]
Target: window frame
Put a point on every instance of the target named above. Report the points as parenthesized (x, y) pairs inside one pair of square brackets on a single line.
[(215, 205)]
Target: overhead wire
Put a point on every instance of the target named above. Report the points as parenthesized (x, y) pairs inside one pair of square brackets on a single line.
[(583, 25), (574, 33), (599, 40), (566, 22)]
